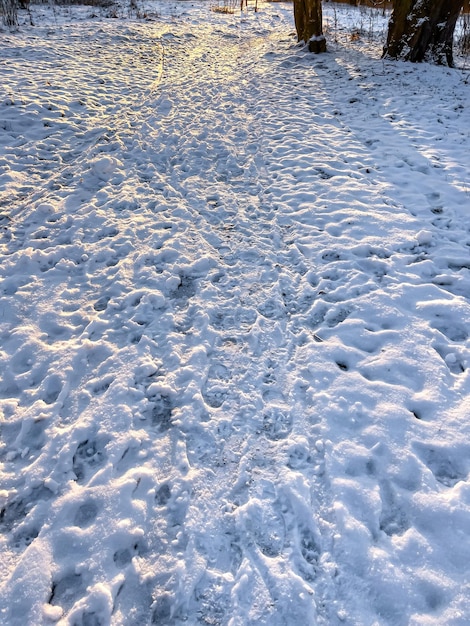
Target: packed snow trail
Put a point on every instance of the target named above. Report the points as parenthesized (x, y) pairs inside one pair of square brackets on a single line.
[(235, 347)]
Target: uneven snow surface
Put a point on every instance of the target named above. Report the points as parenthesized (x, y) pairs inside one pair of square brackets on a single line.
[(234, 331)]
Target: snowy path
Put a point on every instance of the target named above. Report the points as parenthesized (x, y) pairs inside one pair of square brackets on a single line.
[(67, 106), (234, 334)]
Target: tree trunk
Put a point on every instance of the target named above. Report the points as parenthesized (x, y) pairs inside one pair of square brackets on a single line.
[(9, 12), (443, 34), (421, 27), (308, 23)]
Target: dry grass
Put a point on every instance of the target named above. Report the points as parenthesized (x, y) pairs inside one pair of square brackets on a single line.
[(225, 6), (222, 9)]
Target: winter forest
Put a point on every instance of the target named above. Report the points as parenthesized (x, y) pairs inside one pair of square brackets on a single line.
[(234, 313)]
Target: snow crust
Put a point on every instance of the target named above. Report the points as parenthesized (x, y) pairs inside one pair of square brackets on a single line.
[(234, 332)]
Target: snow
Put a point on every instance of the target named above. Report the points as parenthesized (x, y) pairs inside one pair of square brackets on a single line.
[(234, 323)]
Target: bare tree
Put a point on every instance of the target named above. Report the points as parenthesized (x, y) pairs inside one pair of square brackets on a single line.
[(420, 29), (309, 24)]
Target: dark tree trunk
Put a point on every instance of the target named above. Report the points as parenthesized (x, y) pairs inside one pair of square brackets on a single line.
[(308, 24), (9, 12), (443, 34), (422, 27)]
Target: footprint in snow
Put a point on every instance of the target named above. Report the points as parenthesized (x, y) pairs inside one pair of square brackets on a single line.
[(86, 514), (306, 552), (277, 423), (309, 546), (23, 506), (234, 556), (446, 464), (335, 317), (331, 255), (163, 495), (240, 319), (298, 456), (104, 167), (51, 388), (25, 536), (393, 518), (162, 610), (98, 386), (32, 435), (212, 599), (185, 290), (102, 303), (201, 447), (160, 412), (66, 590), (123, 556), (272, 309), (453, 331), (451, 358), (215, 388), (266, 525)]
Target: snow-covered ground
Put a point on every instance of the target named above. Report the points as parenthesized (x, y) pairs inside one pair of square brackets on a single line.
[(235, 318)]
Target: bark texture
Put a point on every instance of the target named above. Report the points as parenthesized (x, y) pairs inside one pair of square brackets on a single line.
[(309, 24), (9, 12), (421, 28)]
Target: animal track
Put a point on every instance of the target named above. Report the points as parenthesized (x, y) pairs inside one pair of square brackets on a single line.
[(317, 316), (124, 556), (330, 256), (299, 456), (33, 436), (235, 554), (89, 457), (298, 305), (90, 618), (307, 552), (212, 600), (336, 317), (163, 495), (309, 547), (201, 447)]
